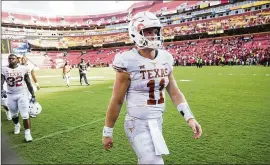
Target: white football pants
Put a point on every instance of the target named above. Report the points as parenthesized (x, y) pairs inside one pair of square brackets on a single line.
[(19, 103), (139, 136)]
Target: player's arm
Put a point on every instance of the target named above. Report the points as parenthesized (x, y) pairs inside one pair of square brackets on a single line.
[(69, 69), (2, 81), (120, 87), (180, 102), (35, 78), (29, 86), (3, 92), (80, 67)]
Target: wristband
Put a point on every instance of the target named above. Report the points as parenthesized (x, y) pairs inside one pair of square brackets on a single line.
[(185, 111), (107, 131), (37, 84)]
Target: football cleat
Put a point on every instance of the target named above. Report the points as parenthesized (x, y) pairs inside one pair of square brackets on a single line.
[(28, 137), (17, 128)]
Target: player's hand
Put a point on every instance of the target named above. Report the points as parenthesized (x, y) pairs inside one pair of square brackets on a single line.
[(4, 94), (196, 128), (107, 142), (37, 85), (33, 99)]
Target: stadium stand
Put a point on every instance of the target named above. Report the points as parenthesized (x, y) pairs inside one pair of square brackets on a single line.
[(92, 33)]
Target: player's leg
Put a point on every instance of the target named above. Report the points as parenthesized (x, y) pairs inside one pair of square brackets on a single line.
[(81, 78), (14, 111), (67, 79), (4, 104), (23, 105), (85, 79), (141, 141)]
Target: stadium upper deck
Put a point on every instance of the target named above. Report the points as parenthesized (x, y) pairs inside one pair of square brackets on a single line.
[(95, 20), (15, 26)]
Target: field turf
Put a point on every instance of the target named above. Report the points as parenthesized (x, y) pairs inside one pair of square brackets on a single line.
[(231, 103)]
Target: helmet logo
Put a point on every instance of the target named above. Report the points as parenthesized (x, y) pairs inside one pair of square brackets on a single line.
[(140, 27)]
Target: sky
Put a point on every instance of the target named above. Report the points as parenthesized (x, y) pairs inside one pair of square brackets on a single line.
[(65, 8)]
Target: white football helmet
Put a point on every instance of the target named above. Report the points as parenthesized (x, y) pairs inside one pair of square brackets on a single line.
[(34, 108), (144, 20)]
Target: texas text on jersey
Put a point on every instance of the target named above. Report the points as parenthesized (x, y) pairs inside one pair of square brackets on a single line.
[(145, 95)]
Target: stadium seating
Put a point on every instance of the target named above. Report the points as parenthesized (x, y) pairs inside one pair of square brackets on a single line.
[(237, 49), (233, 49), (185, 52), (187, 28)]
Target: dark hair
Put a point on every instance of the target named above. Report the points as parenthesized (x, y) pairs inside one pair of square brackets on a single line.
[(12, 55)]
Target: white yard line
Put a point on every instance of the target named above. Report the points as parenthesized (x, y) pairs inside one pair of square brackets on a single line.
[(58, 132), (185, 80), (89, 91)]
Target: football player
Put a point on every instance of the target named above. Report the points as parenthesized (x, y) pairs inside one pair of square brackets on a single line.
[(142, 76), (82, 71), (31, 73), (66, 72), (18, 84)]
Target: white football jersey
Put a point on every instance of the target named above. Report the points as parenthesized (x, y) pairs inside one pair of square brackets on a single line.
[(15, 79), (145, 96), (30, 68)]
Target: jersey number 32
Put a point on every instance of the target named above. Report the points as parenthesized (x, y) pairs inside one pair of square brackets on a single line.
[(14, 82)]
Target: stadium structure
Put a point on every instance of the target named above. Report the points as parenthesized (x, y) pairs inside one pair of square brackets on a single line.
[(192, 29)]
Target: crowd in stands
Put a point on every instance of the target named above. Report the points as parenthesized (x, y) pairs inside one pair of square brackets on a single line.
[(187, 28), (223, 23), (249, 50), (233, 50)]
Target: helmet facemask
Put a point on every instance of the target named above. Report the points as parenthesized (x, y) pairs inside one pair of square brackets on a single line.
[(152, 42)]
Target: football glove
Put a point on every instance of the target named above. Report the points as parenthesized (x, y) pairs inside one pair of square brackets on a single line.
[(33, 100)]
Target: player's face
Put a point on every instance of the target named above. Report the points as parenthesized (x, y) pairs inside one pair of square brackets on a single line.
[(150, 33), (19, 60), (23, 61), (12, 60)]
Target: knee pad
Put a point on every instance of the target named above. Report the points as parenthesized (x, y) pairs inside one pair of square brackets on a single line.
[(151, 158)]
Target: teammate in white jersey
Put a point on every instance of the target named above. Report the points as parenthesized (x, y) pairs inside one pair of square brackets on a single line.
[(142, 76), (18, 84), (31, 73), (66, 72)]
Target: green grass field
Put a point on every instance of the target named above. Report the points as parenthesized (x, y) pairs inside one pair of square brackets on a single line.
[(232, 104)]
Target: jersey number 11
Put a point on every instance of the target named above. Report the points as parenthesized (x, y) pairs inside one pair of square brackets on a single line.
[(151, 85)]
